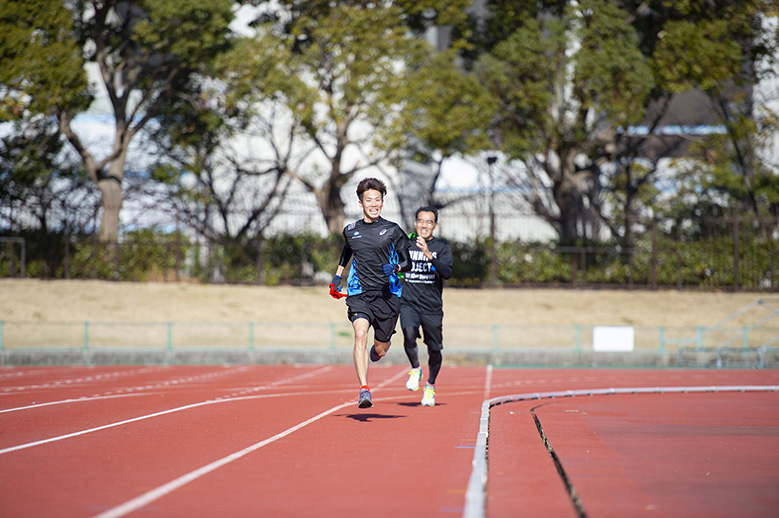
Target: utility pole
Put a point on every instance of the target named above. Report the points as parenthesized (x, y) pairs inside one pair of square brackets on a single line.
[(491, 205)]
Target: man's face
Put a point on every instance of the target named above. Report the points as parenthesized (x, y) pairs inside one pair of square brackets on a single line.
[(425, 224), (371, 203)]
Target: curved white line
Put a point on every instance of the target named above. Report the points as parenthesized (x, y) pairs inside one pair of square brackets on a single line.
[(475, 494)]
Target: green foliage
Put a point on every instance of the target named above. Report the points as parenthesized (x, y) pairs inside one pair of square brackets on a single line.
[(522, 73), (531, 263), (193, 32), (42, 67), (471, 264), (282, 259), (143, 255), (686, 256), (445, 109), (696, 55), (611, 74)]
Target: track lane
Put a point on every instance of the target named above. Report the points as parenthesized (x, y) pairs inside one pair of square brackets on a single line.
[(115, 457), (618, 467), (43, 423), (397, 458)]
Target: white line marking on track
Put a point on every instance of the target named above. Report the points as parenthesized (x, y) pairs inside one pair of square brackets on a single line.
[(107, 426), (83, 379), (75, 400), (476, 492), (149, 416), (159, 492), (165, 489)]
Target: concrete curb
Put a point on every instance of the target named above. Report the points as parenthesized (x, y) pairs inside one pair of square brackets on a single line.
[(275, 356)]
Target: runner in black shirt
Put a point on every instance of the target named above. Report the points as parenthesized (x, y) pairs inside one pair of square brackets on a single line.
[(380, 250), (422, 304)]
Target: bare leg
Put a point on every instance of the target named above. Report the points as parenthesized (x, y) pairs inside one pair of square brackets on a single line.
[(360, 352), (381, 347)]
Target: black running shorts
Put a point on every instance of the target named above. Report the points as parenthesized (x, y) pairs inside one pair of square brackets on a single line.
[(380, 308), (431, 323)]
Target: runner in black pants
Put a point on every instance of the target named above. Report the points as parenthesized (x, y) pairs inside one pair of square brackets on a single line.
[(373, 289), (422, 305)]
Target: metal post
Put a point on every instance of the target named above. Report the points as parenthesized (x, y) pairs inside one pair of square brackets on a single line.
[(578, 338), (493, 240), (251, 336), (86, 336), (170, 336), (661, 331), (654, 254), (735, 254), (24, 260)]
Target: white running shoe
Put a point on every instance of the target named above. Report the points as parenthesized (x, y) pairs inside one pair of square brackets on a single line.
[(414, 375), (428, 399)]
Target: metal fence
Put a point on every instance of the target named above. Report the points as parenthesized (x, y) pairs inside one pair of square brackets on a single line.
[(684, 346), (732, 254)]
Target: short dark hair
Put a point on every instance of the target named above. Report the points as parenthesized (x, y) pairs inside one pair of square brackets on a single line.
[(428, 209), (371, 183)]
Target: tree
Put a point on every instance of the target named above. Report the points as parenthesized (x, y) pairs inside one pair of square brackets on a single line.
[(42, 66), (43, 191), (149, 53), (566, 86), (446, 112), (337, 69), (742, 49), (638, 63), (221, 188)]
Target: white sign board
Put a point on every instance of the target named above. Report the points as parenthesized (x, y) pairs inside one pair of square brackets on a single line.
[(612, 338)]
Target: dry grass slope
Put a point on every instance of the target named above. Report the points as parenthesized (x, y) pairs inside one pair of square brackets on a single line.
[(101, 301)]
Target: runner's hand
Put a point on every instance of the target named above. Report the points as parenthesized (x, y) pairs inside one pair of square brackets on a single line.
[(335, 288), (389, 269)]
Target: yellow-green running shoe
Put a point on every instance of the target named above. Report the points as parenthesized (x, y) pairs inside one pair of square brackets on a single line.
[(428, 399), (414, 375)]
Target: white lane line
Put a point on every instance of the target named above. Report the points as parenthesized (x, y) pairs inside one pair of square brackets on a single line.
[(148, 416), (102, 377), (159, 492), (165, 489), (104, 427), (64, 401)]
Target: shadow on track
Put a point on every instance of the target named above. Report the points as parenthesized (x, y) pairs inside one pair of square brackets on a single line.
[(416, 404), (369, 417)]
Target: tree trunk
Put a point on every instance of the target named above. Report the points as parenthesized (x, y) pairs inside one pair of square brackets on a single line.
[(333, 210), (111, 193), (568, 197)]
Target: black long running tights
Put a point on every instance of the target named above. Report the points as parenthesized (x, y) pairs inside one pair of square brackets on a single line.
[(435, 358)]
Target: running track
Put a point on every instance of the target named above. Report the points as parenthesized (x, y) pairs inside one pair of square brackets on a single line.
[(278, 441)]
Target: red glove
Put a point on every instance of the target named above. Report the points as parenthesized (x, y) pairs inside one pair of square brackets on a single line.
[(335, 288), (336, 292)]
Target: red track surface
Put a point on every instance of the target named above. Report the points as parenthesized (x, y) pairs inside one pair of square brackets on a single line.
[(290, 441)]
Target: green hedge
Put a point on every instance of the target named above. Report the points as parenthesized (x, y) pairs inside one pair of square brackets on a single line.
[(307, 259)]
